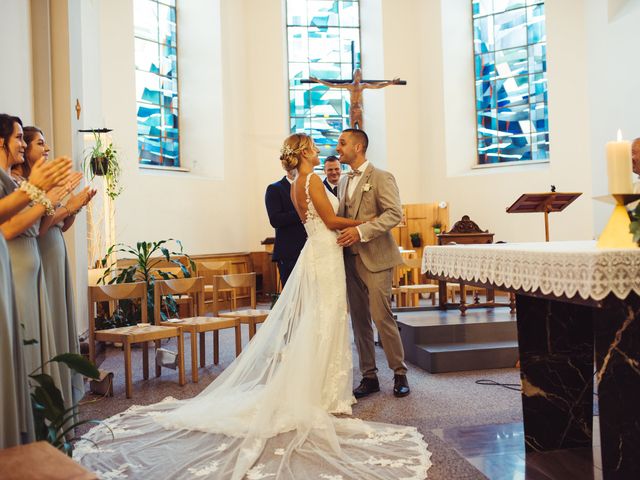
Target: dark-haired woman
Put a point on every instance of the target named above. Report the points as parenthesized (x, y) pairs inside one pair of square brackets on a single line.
[(20, 231), (15, 409), (55, 264)]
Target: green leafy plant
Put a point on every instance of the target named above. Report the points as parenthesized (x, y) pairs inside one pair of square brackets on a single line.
[(437, 226), (416, 240), (634, 226), (147, 256), (53, 422), (102, 160)]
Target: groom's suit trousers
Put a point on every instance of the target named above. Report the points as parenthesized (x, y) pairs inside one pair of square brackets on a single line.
[(370, 299)]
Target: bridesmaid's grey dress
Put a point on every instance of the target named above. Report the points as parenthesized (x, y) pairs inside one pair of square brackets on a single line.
[(32, 305), (15, 410), (57, 275)]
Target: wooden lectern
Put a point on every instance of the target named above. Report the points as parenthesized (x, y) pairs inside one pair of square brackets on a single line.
[(543, 202)]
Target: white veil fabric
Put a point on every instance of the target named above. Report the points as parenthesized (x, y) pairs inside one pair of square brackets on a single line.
[(272, 413)]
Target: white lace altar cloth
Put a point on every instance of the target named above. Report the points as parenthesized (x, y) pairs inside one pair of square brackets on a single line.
[(558, 268)]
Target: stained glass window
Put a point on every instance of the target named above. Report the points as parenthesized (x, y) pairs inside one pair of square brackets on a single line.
[(511, 80), (156, 82), (320, 34)]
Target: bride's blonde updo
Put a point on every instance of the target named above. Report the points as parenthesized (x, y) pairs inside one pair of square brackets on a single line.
[(293, 150)]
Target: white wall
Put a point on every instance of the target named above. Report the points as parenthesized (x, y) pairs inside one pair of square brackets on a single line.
[(16, 80)]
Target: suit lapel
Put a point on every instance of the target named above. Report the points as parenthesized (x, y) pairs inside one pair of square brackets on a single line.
[(342, 195), (358, 191)]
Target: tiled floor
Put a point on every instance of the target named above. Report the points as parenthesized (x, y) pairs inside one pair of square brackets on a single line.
[(498, 452)]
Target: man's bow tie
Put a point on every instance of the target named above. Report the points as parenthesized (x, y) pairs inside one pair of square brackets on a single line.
[(354, 173)]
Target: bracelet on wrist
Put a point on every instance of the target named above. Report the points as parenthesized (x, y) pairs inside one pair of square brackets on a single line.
[(37, 196)]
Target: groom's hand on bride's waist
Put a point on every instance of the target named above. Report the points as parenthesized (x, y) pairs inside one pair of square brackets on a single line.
[(348, 237)]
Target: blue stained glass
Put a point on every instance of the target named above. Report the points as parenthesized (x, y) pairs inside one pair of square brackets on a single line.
[(539, 118), (488, 123), (511, 62), (323, 13), (151, 96), (511, 29), (538, 57), (515, 148), (483, 39), (538, 88), (485, 66), (488, 150), (320, 35), (482, 7), (513, 120), (511, 83), (324, 45), (540, 146), (156, 82), (512, 91), (504, 5), (484, 95), (536, 30), (349, 14)]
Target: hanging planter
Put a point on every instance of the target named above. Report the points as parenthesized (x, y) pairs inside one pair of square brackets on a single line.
[(102, 161), (99, 166)]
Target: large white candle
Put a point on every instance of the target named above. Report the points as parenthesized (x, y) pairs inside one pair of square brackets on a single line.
[(619, 165)]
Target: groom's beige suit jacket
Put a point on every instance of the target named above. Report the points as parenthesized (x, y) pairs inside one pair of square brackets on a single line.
[(376, 200)]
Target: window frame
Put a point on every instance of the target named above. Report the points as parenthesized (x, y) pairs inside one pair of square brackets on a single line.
[(171, 4)]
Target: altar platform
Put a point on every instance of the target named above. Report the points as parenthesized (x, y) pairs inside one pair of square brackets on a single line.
[(444, 341)]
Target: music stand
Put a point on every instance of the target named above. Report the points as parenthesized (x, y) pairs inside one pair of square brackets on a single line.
[(543, 202)]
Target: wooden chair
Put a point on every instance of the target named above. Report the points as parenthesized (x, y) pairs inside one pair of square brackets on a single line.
[(237, 282), (197, 325), (409, 293), (207, 270), (141, 333)]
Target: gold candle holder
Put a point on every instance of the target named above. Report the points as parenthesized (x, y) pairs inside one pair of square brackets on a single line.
[(616, 234)]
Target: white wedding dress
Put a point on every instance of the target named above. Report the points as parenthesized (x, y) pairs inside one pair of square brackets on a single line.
[(270, 414)]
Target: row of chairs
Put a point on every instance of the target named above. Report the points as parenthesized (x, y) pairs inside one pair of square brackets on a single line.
[(408, 286), (192, 293)]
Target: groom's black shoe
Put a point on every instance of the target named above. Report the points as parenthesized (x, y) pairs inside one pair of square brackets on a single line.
[(367, 387), (401, 386)]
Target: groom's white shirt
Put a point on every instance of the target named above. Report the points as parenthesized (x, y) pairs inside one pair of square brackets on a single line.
[(353, 182), (351, 190)]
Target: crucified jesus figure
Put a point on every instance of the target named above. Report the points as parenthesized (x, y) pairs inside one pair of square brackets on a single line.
[(356, 87)]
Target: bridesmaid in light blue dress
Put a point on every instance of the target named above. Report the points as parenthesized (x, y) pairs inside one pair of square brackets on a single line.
[(15, 410), (21, 231), (55, 264)]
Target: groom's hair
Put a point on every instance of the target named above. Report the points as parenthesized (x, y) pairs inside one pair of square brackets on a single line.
[(361, 137)]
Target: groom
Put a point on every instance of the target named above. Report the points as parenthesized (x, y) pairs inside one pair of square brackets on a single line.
[(370, 253)]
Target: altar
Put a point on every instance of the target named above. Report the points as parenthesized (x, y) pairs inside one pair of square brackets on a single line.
[(575, 303)]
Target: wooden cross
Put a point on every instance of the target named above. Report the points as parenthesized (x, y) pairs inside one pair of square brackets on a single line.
[(356, 85)]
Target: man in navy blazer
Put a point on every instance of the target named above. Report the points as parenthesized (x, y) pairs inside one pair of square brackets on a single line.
[(332, 171), (290, 233)]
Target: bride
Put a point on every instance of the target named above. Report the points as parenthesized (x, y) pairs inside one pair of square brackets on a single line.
[(279, 411)]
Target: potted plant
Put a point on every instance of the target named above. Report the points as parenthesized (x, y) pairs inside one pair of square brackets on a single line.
[(147, 255), (416, 241), (437, 227), (54, 422), (101, 161)]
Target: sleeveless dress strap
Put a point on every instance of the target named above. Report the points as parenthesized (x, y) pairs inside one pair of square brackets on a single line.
[(306, 188)]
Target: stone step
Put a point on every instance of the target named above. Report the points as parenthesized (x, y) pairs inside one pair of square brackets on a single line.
[(461, 356), (492, 331)]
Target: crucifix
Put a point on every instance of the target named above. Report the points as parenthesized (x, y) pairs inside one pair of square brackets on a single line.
[(356, 85)]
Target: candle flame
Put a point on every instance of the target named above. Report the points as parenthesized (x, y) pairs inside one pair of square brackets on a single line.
[(619, 135)]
